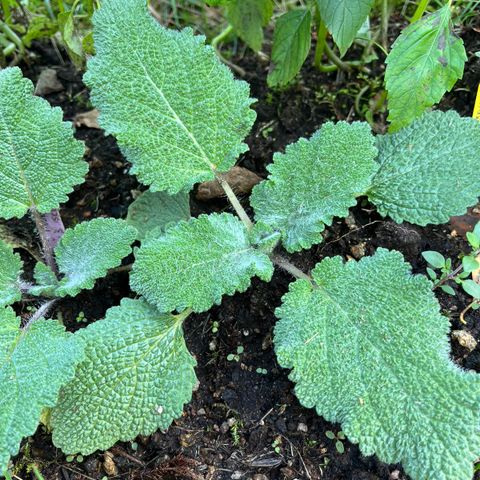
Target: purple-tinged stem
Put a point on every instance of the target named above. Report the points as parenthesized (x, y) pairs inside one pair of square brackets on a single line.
[(46, 240), (54, 227)]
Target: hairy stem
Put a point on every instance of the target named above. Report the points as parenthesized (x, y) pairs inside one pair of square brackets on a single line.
[(235, 202), (47, 246), (54, 227), (41, 312), (284, 264)]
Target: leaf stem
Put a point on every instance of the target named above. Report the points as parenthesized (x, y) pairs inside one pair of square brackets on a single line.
[(221, 37), (235, 202), (47, 246), (422, 6), (41, 311), (321, 39), (284, 264)]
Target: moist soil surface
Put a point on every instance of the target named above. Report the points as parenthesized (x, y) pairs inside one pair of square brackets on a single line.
[(243, 422)]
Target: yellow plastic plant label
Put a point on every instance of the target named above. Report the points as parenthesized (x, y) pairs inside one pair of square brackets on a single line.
[(476, 108)]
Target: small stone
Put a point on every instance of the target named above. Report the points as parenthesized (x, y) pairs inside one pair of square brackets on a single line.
[(87, 119), (224, 427), (231, 422), (302, 428), (109, 465), (465, 339), (237, 475), (260, 476), (48, 83), (358, 251), (201, 411), (395, 475)]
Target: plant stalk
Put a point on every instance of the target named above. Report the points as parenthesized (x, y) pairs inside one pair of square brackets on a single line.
[(45, 239), (284, 264), (421, 8), (235, 202), (41, 312), (322, 33)]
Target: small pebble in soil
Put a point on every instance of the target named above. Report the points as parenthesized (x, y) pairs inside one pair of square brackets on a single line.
[(237, 475), (465, 339), (302, 428)]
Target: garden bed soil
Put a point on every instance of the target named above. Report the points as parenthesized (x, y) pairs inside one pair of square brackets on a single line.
[(242, 423)]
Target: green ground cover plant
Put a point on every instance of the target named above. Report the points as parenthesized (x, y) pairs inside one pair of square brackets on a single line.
[(365, 341), (424, 62)]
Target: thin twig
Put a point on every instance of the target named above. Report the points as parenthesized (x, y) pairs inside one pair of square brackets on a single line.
[(41, 312), (47, 247)]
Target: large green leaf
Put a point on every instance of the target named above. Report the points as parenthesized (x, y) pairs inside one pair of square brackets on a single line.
[(425, 62), (135, 379), (344, 18), (151, 212), (177, 112), (314, 181), (34, 364), (195, 263), (291, 44), (369, 349), (40, 161), (248, 17), (86, 252), (10, 270), (427, 170)]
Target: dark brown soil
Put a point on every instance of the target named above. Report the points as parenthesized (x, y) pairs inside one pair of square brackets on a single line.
[(240, 423)]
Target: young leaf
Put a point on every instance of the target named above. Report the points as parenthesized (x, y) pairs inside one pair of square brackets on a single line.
[(425, 62), (344, 18), (135, 379), (472, 288), (448, 289), (46, 281), (248, 17), (469, 264), (86, 252), (10, 270), (314, 181), (34, 364), (177, 112), (153, 211), (425, 173), (381, 368), (473, 239), (435, 259), (291, 44), (40, 159), (195, 263)]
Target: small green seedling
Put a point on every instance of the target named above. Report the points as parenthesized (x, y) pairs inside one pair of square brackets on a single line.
[(469, 266), (338, 437), (235, 356)]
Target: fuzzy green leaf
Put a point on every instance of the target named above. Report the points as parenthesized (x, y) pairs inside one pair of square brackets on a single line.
[(425, 173), (86, 252), (195, 263), (135, 379), (46, 281), (10, 270), (40, 161), (314, 181), (176, 111), (151, 212), (34, 364), (344, 19), (248, 17), (425, 62), (291, 44), (369, 349)]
